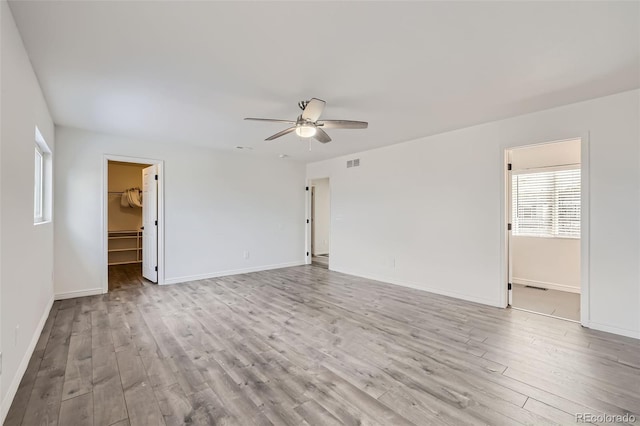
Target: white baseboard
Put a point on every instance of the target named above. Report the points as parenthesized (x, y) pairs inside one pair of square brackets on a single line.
[(22, 368), (421, 286), (178, 280), (613, 329), (78, 293), (548, 285)]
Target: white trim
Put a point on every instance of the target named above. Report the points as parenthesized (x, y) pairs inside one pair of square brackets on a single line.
[(613, 329), (585, 229), (105, 213), (422, 287), (78, 293), (307, 225), (548, 285), (231, 272), (22, 368)]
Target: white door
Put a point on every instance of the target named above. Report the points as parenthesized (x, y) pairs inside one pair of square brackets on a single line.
[(150, 223)]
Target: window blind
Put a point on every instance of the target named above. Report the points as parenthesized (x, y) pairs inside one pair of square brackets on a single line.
[(546, 204)]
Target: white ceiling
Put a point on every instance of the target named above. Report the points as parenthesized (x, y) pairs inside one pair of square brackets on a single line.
[(188, 72)]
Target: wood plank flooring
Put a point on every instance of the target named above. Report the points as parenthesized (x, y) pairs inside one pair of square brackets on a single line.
[(308, 346), (126, 276)]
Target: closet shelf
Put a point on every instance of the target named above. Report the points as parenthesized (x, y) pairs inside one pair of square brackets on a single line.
[(125, 246)]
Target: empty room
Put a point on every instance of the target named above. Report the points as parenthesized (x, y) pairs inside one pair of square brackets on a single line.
[(319, 213)]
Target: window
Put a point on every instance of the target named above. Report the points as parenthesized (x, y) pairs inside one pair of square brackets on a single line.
[(546, 204), (42, 187), (38, 186)]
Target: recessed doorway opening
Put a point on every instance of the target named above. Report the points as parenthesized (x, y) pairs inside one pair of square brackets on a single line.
[(132, 226), (544, 203), (320, 222)]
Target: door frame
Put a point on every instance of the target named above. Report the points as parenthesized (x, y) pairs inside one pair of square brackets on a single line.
[(308, 233), (312, 217), (585, 190), (105, 213)]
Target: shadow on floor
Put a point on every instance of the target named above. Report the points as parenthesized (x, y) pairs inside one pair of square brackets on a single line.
[(126, 276)]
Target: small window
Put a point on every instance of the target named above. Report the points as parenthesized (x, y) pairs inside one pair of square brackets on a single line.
[(42, 173), (546, 204), (38, 187)]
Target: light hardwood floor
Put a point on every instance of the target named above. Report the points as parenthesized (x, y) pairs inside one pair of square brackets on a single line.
[(305, 345), (126, 276)]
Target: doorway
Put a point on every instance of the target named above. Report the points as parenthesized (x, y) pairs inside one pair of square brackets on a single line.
[(320, 222), (132, 217), (544, 202)]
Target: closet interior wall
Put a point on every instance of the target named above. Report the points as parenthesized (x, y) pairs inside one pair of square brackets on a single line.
[(124, 223)]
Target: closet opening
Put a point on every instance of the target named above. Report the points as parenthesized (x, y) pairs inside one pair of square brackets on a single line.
[(132, 223)]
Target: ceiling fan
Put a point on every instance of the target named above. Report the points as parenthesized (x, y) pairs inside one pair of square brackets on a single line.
[(308, 124)]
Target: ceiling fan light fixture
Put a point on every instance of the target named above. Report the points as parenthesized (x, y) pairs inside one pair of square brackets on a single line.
[(306, 131)]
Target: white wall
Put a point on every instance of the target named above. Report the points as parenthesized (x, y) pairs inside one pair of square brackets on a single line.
[(217, 206), (26, 250), (437, 207), (546, 262), (322, 216)]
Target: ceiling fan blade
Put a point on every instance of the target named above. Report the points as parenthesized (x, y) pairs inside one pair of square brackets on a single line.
[(313, 110), (343, 124), (273, 120), (282, 133), (322, 136)]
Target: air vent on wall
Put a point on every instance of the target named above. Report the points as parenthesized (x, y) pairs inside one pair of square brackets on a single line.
[(353, 163)]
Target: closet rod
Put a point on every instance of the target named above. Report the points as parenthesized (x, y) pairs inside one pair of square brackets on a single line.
[(120, 192)]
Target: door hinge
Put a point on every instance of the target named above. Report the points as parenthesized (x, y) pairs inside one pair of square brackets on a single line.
[(156, 177), (306, 188), (156, 269), (307, 253), (142, 227), (509, 166), (509, 286), (508, 227), (307, 220), (156, 223)]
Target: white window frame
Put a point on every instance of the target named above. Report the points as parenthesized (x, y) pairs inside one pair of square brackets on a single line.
[(38, 185), (42, 185)]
